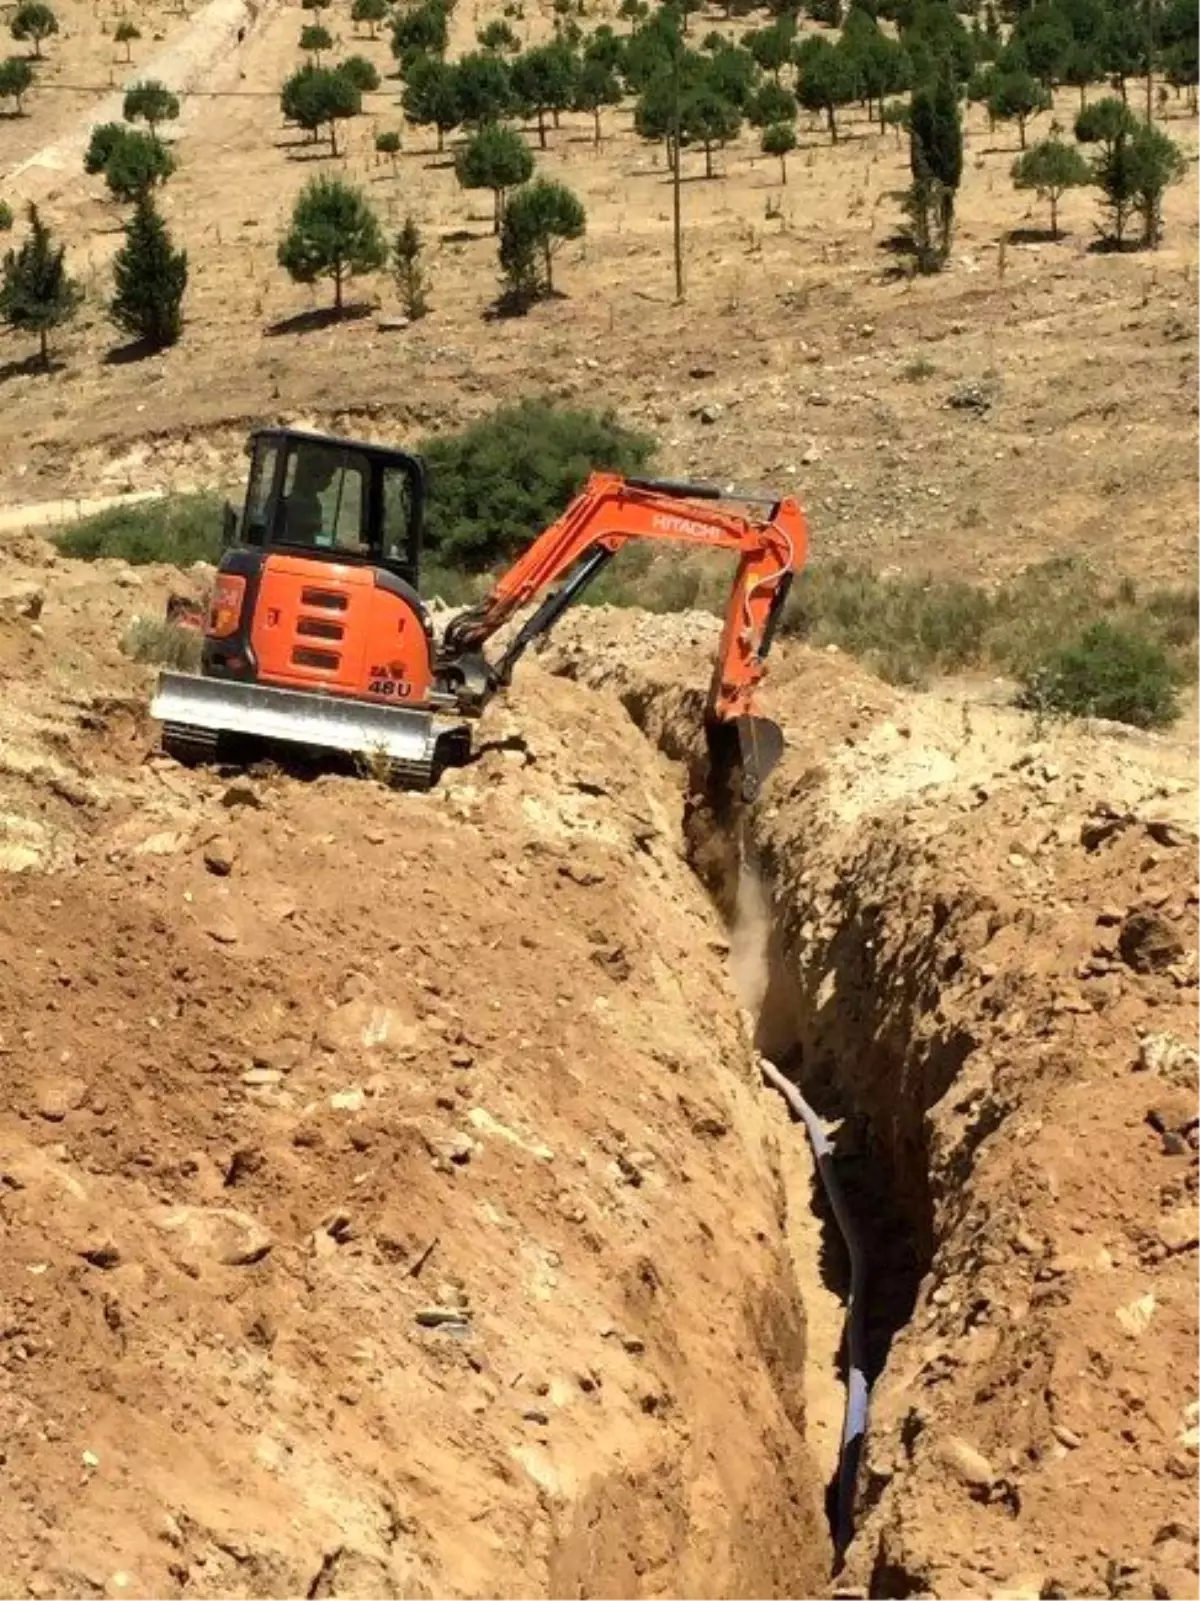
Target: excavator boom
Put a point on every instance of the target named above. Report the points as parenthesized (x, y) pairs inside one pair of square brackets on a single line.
[(316, 637), (608, 513)]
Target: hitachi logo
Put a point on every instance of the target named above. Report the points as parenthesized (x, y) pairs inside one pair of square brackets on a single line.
[(682, 525)]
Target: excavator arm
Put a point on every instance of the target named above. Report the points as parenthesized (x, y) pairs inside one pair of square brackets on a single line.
[(607, 514)]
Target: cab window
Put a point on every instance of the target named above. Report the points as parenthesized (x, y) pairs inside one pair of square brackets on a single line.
[(325, 498)]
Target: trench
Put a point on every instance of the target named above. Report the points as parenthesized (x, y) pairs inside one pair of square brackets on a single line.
[(880, 1163)]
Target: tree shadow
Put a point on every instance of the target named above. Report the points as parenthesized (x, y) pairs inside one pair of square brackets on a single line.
[(307, 322), (135, 350), (1106, 245), (518, 303), (440, 163), (896, 244), (30, 367), (1034, 236), (693, 177), (465, 236)]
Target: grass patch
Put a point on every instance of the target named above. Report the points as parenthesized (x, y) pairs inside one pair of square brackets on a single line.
[(1076, 644), (918, 371), (179, 529), (150, 639)]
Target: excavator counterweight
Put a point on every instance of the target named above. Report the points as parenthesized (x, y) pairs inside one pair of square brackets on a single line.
[(316, 636)]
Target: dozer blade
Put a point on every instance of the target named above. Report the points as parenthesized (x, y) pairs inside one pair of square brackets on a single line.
[(191, 708), (743, 752)]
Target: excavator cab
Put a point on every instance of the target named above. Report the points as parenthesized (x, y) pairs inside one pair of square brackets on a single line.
[(316, 636), (334, 499)]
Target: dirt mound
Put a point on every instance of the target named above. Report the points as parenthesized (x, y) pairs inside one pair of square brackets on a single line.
[(389, 1205), (983, 968)]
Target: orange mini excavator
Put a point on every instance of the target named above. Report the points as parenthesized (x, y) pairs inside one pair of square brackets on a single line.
[(316, 636)]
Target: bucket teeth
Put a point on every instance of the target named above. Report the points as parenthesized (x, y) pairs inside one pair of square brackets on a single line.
[(742, 754)]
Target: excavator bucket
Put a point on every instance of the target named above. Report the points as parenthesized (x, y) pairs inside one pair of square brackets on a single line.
[(196, 712), (743, 753)]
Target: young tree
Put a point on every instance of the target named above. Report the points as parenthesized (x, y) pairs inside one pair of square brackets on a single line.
[(1017, 96), (33, 20), (826, 79), (894, 114), (596, 86), (1123, 44), (494, 158), (707, 118), (6, 217), (1081, 67), (149, 279), (731, 72), (543, 79), (878, 64), (1051, 168), (779, 139), (36, 293), (316, 97), (935, 160), (431, 96), (539, 217), (1155, 162), (1042, 39), (772, 47), (361, 73), (315, 39), (408, 272), (127, 33), (152, 103), (372, 12), (101, 144), (135, 163), (16, 77), (499, 38), (483, 86), (333, 234), (388, 144), (424, 31), (1105, 122), (773, 103)]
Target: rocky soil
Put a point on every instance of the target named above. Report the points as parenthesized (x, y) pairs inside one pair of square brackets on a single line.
[(983, 967), (388, 1202)]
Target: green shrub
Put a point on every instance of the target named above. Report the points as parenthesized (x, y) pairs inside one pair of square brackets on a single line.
[(179, 528), (1107, 671), (495, 485)]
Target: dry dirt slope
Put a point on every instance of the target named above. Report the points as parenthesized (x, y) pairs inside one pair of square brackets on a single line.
[(984, 958), (387, 1206)]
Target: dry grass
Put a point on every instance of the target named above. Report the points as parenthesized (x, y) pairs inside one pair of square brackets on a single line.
[(152, 639)]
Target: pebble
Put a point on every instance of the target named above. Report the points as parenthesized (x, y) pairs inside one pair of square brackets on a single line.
[(1178, 1231), (219, 856), (437, 1317), (56, 1097), (241, 793), (968, 1465)]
